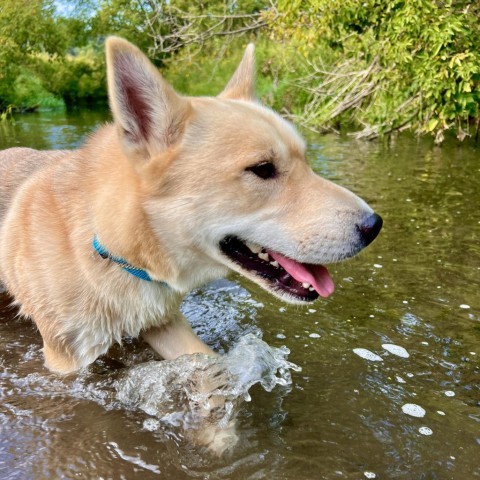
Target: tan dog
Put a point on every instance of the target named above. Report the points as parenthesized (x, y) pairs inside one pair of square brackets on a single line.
[(105, 241)]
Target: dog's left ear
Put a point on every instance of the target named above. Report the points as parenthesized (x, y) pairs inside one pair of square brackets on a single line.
[(149, 114), (241, 85)]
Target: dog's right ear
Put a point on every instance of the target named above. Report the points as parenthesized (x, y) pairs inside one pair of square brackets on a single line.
[(149, 114)]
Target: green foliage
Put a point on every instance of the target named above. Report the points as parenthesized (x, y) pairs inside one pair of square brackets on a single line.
[(376, 65), (424, 54), (26, 27), (7, 114), (30, 92), (129, 19), (77, 78)]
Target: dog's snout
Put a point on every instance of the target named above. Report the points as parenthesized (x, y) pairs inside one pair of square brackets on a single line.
[(370, 228)]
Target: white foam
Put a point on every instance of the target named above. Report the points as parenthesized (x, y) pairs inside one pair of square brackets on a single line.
[(367, 355), (314, 335), (396, 350), (370, 475), (399, 379), (440, 412), (151, 424), (281, 336), (449, 393), (425, 430), (131, 459), (413, 410), (464, 306)]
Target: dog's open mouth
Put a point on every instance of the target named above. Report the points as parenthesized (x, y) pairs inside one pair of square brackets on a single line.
[(299, 281)]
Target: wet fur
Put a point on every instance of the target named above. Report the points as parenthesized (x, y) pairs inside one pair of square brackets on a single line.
[(161, 186)]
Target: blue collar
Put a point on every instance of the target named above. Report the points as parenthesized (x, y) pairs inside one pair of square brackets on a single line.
[(137, 272)]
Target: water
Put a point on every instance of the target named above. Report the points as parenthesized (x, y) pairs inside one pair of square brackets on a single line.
[(202, 394), (414, 290)]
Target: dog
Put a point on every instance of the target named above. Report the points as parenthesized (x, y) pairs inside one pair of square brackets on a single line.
[(106, 240)]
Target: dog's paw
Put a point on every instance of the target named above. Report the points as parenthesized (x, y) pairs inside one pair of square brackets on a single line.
[(218, 440)]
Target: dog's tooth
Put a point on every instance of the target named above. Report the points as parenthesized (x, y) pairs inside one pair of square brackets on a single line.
[(254, 248), (274, 263), (263, 256), (311, 289), (306, 285)]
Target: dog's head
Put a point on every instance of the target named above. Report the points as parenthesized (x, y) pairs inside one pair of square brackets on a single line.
[(225, 183)]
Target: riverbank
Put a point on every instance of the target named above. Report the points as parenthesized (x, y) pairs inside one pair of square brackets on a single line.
[(372, 67)]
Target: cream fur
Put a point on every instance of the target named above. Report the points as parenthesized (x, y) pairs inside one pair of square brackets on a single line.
[(161, 187)]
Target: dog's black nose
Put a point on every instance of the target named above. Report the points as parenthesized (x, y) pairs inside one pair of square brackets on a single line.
[(370, 228)]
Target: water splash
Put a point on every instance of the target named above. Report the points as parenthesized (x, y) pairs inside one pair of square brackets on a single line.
[(194, 389)]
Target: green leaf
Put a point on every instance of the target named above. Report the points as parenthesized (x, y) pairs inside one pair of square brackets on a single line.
[(432, 123)]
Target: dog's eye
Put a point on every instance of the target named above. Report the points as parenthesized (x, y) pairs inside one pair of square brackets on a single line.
[(263, 170)]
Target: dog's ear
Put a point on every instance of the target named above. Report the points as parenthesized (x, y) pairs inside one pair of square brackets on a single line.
[(241, 85), (149, 114)]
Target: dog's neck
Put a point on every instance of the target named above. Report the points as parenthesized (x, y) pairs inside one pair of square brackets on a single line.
[(128, 267), (118, 223)]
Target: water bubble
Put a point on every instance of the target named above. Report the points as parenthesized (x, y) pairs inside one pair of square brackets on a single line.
[(449, 393), (281, 336), (367, 354), (377, 265), (425, 431), (464, 306), (370, 475), (399, 379), (311, 310), (151, 424), (413, 410), (396, 350), (440, 412), (314, 335)]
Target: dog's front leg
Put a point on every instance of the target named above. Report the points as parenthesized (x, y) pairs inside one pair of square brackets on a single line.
[(175, 338)]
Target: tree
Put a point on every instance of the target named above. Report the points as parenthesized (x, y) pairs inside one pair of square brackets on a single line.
[(26, 28)]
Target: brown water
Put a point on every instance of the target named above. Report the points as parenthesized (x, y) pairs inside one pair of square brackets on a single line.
[(416, 287)]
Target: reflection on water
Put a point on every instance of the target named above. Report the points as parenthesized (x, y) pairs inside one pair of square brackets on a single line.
[(415, 290)]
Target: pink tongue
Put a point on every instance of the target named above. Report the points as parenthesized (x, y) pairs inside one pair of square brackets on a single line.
[(316, 275)]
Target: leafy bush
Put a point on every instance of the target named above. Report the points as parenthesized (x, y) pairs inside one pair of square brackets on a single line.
[(409, 63), (376, 65), (77, 78), (29, 92)]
